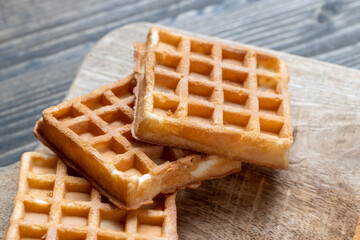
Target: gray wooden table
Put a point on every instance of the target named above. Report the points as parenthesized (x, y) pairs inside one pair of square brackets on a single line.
[(43, 42)]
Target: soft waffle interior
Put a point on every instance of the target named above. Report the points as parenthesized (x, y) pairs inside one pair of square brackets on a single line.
[(75, 210), (234, 87)]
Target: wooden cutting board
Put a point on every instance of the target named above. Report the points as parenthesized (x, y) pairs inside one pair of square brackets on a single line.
[(318, 197)]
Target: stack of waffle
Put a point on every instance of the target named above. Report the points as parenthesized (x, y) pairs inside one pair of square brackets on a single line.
[(193, 110)]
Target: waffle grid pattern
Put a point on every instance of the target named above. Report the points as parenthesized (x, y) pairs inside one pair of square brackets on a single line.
[(102, 121), (53, 203), (218, 85)]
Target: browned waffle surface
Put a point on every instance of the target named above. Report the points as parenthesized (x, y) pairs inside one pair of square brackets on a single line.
[(54, 203), (92, 135), (212, 97)]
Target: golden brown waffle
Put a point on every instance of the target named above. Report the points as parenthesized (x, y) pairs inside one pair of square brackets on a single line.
[(92, 135), (54, 203), (213, 98)]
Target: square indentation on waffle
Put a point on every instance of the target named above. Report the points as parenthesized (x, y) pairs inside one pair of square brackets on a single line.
[(115, 118), (237, 120), (86, 129), (200, 113), (132, 165), (40, 187), (166, 84), (97, 102), (267, 63), (271, 126), (68, 113), (26, 232), (266, 83), (77, 191), (200, 91), (70, 234), (36, 212), (270, 105), (167, 62), (220, 85), (201, 48), (113, 220), (75, 215), (72, 218), (236, 98), (169, 42), (150, 225), (38, 166), (200, 70), (233, 56), (234, 77), (165, 108), (110, 148)]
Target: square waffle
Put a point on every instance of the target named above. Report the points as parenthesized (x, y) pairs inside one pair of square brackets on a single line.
[(92, 134), (213, 98), (54, 203)]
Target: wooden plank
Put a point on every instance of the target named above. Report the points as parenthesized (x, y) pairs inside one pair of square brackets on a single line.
[(318, 197)]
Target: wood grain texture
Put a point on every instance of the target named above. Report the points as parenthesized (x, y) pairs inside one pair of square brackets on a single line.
[(42, 43), (318, 197), (357, 232)]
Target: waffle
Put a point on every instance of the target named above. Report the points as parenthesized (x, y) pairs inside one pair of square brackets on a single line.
[(213, 98), (54, 203), (92, 134)]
